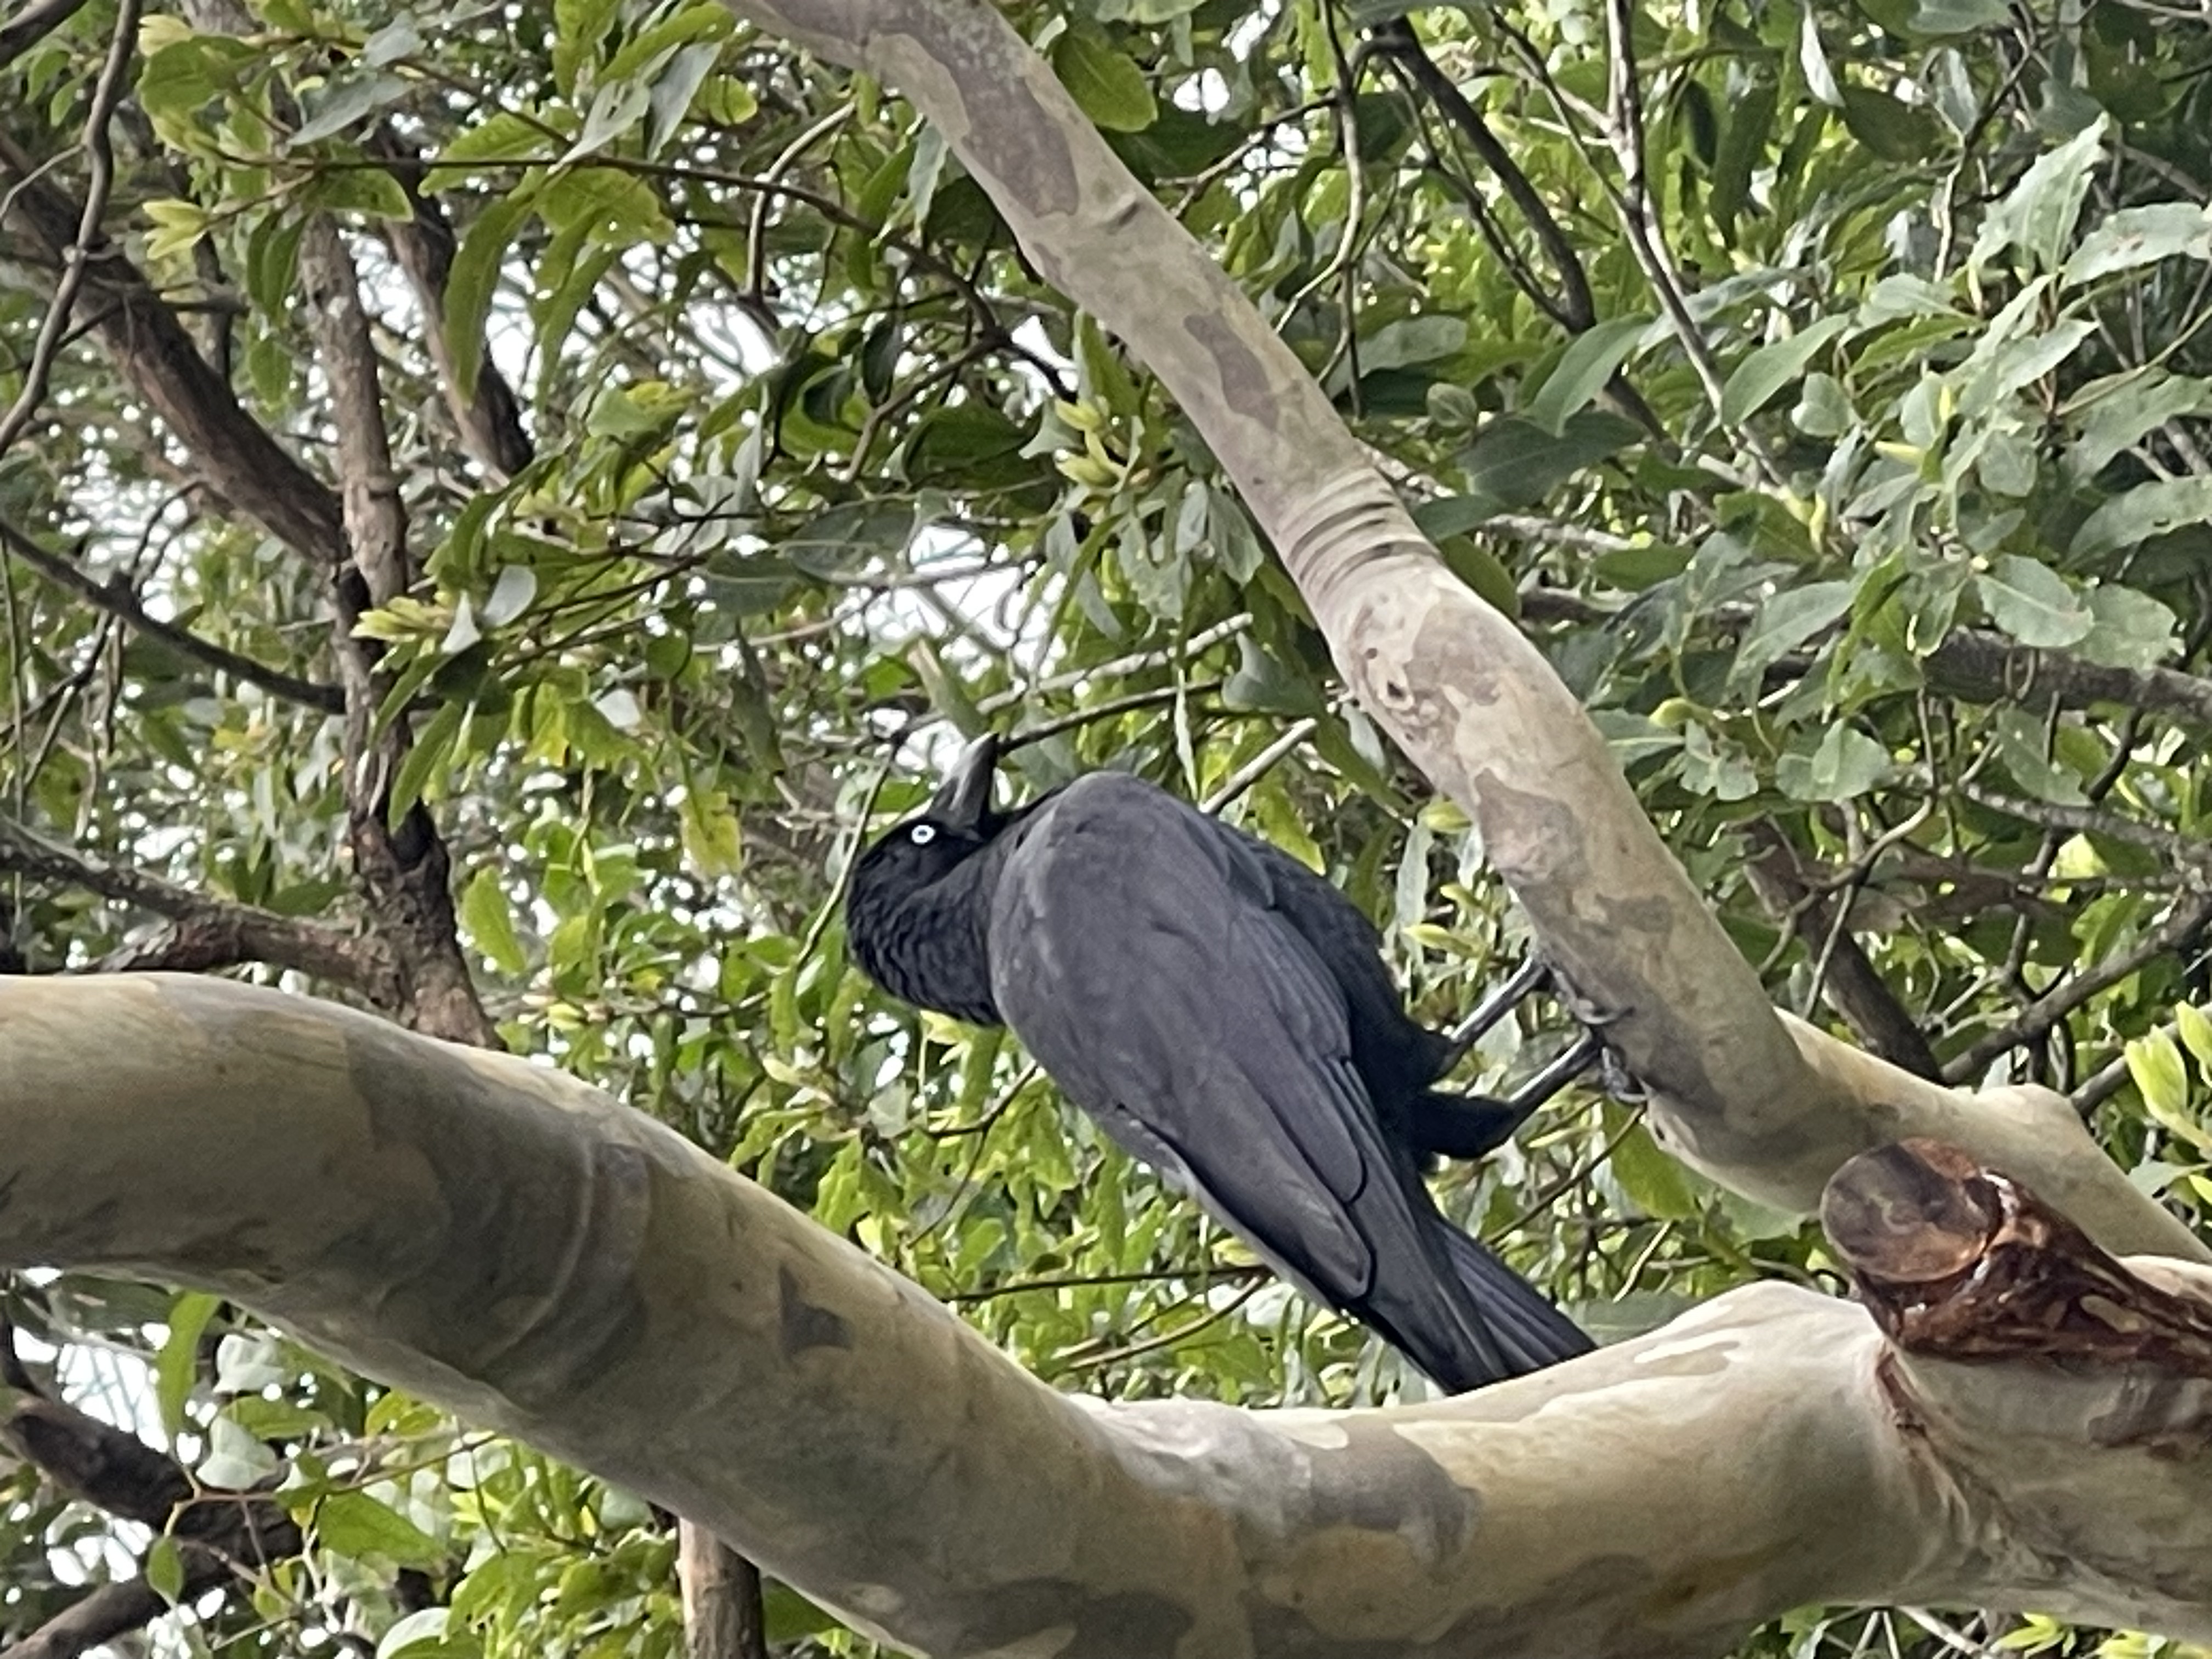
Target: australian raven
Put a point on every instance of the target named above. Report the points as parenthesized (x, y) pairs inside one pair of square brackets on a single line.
[(1226, 1016)]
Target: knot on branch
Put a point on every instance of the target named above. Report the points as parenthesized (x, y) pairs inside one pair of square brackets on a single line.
[(1958, 1262)]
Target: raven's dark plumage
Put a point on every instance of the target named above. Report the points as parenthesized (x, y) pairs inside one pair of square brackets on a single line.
[(1226, 1016)]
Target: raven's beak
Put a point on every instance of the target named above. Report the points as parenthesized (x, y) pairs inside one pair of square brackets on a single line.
[(962, 801)]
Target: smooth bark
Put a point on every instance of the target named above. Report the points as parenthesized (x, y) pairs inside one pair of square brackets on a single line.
[(497, 1237)]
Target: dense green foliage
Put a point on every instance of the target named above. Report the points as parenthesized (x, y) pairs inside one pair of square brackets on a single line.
[(1878, 357)]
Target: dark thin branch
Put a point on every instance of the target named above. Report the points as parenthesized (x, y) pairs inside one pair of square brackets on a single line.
[(1851, 986), (403, 868), (76, 249), (1980, 666), (207, 933), (1572, 307), (489, 420), (2091, 821), (234, 454), (2040, 1016), (116, 598), (32, 24), (112, 1610), (220, 1535)]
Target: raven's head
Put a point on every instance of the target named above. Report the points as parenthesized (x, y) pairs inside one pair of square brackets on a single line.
[(957, 823), (909, 929)]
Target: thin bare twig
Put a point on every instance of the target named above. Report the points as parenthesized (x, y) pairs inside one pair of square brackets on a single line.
[(76, 258), (117, 600)]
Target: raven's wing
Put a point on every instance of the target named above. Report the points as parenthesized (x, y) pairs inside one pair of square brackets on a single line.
[(1393, 1051), (1135, 950)]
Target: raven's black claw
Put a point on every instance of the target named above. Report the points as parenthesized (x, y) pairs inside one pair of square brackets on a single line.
[(1502, 997)]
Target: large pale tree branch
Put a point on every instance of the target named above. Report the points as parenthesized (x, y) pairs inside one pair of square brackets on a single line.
[(510, 1244), (1760, 1105)]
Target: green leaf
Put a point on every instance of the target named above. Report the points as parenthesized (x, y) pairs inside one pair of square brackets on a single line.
[(709, 826), (368, 191), (1264, 685), (1744, 133), (1788, 620), (2124, 408), (2037, 215), (616, 107), (1892, 130), (1846, 765), (1960, 16), (177, 225), (1765, 371), (490, 921), (474, 278), (1233, 542), (354, 1525), (1515, 462), (1106, 86), (425, 761), (677, 85), (1483, 572), (2196, 1032), (1653, 1181), (2157, 508), (332, 108), (1633, 736), (2133, 630), (644, 54), (1424, 339), (2154, 1062), (1158, 574), (2032, 603), (178, 1363), (503, 136), (1824, 407), (165, 1569), (2140, 236), (1589, 360), (845, 542)]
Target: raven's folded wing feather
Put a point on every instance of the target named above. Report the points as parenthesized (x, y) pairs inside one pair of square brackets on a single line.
[(1135, 953)]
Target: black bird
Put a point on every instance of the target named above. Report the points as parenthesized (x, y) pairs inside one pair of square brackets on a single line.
[(1226, 1016)]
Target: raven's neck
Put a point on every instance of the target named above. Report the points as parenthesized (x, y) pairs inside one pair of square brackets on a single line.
[(934, 947)]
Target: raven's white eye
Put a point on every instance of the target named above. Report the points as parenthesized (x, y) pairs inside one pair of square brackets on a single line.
[(922, 833)]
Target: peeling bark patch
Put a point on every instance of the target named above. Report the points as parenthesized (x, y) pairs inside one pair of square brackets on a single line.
[(802, 1324), (1532, 839), (1045, 180), (2166, 1417), (552, 1225), (1382, 1482), (1062, 1620), (1243, 377)]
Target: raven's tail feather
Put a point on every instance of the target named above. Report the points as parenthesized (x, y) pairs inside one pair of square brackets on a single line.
[(1530, 1332)]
